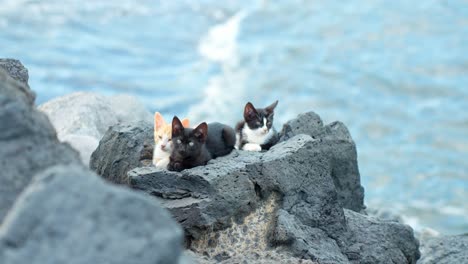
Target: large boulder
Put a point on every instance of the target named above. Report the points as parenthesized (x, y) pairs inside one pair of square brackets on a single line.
[(82, 118), (444, 250), (123, 147), (53, 210), (28, 141), (336, 142), (69, 215), (284, 200), (301, 198)]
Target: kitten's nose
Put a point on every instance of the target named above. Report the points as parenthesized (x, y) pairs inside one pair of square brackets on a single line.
[(163, 147)]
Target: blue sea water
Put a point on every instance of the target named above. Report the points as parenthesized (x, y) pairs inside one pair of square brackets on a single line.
[(395, 72)]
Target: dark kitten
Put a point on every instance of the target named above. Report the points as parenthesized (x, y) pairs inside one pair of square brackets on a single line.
[(195, 147), (256, 132)]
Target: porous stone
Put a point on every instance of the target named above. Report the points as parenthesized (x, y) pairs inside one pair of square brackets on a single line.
[(70, 215), (28, 142), (444, 250), (16, 70), (82, 118), (216, 202), (306, 180)]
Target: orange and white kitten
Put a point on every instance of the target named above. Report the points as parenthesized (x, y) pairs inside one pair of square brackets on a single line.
[(162, 140)]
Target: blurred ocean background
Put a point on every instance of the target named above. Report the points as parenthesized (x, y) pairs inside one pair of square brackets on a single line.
[(395, 72)]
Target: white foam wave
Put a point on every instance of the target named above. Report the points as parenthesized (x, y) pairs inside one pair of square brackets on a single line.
[(225, 90), (220, 43)]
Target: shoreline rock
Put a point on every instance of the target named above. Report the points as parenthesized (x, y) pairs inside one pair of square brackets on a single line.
[(82, 118), (68, 215), (444, 249), (16, 70), (29, 142), (298, 194), (54, 210)]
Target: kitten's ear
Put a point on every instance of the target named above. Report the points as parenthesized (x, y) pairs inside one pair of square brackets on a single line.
[(177, 127), (158, 121), (271, 107), (201, 132), (250, 112), (186, 122)]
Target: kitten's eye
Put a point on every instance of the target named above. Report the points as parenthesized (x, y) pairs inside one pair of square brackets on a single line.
[(169, 140), (179, 141), (160, 137), (191, 143)]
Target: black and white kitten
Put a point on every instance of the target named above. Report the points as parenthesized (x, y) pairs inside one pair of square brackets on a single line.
[(195, 147), (256, 132)]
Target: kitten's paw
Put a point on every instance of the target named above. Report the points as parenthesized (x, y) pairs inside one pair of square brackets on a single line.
[(175, 166), (252, 147), (162, 163)]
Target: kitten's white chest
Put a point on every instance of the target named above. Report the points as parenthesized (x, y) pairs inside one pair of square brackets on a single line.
[(160, 157), (255, 135)]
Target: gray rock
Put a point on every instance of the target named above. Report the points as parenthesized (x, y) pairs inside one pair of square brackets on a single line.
[(444, 250), (336, 142), (82, 118), (203, 197), (28, 142), (374, 240), (309, 220), (15, 69), (69, 215), (306, 123), (123, 147)]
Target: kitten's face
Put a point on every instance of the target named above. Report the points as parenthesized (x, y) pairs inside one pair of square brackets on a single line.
[(163, 133), (188, 142), (259, 120)]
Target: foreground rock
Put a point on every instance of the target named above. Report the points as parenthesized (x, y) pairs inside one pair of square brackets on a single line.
[(444, 250), (82, 118), (68, 215), (28, 141), (288, 200), (59, 212)]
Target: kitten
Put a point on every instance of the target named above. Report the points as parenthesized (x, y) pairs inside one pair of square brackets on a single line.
[(195, 147), (256, 132), (162, 140)]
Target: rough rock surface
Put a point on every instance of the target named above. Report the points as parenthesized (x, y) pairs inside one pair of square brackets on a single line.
[(69, 215), (16, 70), (285, 199), (379, 241), (335, 141), (444, 250), (28, 141), (123, 147), (82, 118), (53, 210)]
